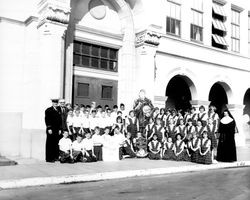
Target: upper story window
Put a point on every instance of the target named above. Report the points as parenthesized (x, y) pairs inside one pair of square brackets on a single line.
[(196, 28), (95, 56), (218, 27), (174, 18), (235, 30)]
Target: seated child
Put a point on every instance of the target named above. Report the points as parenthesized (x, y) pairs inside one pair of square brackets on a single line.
[(140, 146), (154, 148), (98, 142), (77, 149), (88, 146), (65, 149), (128, 149), (205, 150), (168, 150), (180, 149), (195, 147)]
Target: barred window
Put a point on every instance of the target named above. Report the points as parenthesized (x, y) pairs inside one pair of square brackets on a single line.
[(95, 56)]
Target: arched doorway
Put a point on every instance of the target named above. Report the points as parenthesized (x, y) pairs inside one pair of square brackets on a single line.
[(246, 113), (246, 102), (179, 93), (218, 96)]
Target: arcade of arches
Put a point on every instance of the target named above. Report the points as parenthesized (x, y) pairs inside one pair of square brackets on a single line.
[(179, 93)]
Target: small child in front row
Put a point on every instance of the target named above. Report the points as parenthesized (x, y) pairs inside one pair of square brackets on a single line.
[(98, 142), (88, 146), (154, 149), (180, 149), (140, 146), (65, 149), (77, 149), (128, 148), (195, 144), (205, 150), (168, 150)]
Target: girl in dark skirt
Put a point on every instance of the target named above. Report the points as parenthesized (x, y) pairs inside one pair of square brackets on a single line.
[(180, 149), (195, 148), (154, 149), (168, 150), (205, 150), (211, 131), (132, 124)]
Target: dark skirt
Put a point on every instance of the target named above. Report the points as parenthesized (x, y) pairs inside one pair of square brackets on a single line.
[(183, 156), (154, 156), (169, 155)]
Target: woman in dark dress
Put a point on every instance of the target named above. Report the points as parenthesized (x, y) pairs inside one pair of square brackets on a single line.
[(226, 151)]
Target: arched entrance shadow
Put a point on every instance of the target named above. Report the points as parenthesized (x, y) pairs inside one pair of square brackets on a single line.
[(178, 92), (218, 96), (246, 102)]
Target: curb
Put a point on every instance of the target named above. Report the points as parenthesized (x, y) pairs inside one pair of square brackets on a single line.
[(39, 181)]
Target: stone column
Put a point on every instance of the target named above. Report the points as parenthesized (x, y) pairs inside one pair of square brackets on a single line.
[(53, 22), (237, 112), (147, 42)]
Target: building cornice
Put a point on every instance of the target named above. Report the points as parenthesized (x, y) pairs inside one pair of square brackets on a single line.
[(221, 2), (237, 8)]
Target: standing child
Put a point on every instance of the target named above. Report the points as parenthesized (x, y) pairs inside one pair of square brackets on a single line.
[(180, 149), (69, 122), (193, 116), (168, 150), (98, 142), (77, 123), (154, 149), (182, 129), (88, 145), (171, 130), (132, 124), (211, 131), (190, 129), (65, 149), (159, 131), (205, 150), (199, 128), (149, 129), (119, 140), (202, 115), (195, 148)]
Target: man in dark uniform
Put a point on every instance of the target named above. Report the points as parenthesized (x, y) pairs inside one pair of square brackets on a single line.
[(53, 123), (64, 113)]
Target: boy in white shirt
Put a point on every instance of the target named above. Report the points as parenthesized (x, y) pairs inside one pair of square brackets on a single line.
[(93, 121), (65, 149), (88, 146), (78, 149), (98, 142)]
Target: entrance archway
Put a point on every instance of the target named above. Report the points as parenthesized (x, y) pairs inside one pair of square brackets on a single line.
[(179, 93), (246, 102), (218, 96)]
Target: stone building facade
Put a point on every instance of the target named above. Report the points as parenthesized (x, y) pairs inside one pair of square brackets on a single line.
[(183, 53)]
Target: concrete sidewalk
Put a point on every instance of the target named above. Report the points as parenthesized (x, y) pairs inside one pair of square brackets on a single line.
[(34, 173)]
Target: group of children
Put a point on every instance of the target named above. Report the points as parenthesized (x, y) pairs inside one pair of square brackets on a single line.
[(101, 134)]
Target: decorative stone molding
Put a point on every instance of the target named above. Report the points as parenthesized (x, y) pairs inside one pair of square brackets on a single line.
[(54, 11), (147, 37)]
